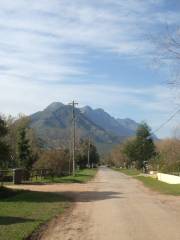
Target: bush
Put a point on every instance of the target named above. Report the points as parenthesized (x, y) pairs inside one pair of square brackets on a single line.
[(55, 160)]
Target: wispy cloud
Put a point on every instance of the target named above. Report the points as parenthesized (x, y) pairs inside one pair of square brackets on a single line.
[(54, 36), (45, 44)]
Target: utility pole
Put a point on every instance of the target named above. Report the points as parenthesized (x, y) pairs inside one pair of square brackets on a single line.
[(70, 157), (73, 104), (89, 146)]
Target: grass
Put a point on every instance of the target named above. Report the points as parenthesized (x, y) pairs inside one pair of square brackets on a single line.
[(21, 212), (130, 172), (153, 183), (162, 187), (81, 176)]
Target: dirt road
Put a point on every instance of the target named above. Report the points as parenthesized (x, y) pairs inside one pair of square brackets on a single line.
[(116, 207)]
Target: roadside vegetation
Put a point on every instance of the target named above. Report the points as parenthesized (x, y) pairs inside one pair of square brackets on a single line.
[(162, 187), (141, 154), (144, 153), (21, 148), (134, 152), (81, 176), (22, 212), (152, 183), (130, 172)]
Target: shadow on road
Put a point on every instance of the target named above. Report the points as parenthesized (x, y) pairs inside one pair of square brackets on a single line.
[(90, 196), (72, 196), (8, 220)]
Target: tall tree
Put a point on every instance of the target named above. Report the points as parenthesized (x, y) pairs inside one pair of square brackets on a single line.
[(4, 148), (24, 150), (145, 148), (140, 149), (82, 155), (129, 150)]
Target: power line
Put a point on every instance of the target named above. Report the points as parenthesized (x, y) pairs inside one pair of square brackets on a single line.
[(168, 120)]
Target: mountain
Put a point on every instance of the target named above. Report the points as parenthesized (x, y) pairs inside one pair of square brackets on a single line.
[(53, 126), (129, 124), (119, 127)]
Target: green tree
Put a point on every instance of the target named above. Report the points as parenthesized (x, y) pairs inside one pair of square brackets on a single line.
[(140, 149), (82, 155), (4, 148), (129, 150), (24, 150), (15, 126), (145, 148)]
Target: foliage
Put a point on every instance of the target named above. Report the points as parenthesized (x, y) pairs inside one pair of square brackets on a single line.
[(24, 150), (81, 176), (168, 158), (129, 150), (4, 147), (144, 145), (135, 151), (14, 134), (27, 150), (55, 160), (116, 158), (82, 154)]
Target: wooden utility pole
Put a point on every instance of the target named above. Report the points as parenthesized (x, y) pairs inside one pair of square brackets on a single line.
[(70, 157), (89, 146), (73, 104)]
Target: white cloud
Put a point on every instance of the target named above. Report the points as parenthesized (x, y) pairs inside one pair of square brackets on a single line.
[(49, 41)]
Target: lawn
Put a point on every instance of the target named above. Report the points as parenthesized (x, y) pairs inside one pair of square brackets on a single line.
[(21, 212), (130, 172), (81, 176), (156, 185)]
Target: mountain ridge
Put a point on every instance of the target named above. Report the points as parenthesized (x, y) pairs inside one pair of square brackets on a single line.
[(53, 126)]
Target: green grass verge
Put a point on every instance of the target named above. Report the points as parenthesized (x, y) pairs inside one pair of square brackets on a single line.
[(23, 211), (81, 176), (130, 172), (162, 187), (153, 183)]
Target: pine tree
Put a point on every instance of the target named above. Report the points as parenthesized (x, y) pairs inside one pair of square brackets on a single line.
[(145, 148), (141, 149), (4, 148), (24, 150)]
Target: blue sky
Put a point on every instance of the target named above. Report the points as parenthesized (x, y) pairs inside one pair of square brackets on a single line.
[(100, 53)]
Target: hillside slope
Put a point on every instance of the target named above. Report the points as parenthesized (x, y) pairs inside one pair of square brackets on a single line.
[(54, 126)]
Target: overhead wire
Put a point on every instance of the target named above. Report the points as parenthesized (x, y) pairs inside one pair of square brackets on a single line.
[(168, 120)]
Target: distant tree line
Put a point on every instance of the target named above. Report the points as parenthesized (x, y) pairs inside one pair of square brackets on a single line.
[(142, 151), (21, 148)]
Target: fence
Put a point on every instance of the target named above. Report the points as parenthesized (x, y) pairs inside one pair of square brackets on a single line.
[(23, 176)]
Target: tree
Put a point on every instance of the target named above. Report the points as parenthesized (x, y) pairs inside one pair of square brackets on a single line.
[(82, 154), (168, 158), (129, 150), (55, 160), (4, 148), (140, 149), (15, 126), (24, 151), (145, 148), (168, 52)]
